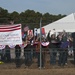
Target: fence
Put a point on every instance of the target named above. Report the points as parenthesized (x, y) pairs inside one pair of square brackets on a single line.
[(50, 58)]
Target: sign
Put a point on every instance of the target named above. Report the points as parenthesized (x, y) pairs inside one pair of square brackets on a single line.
[(30, 32), (43, 31), (35, 32), (10, 34)]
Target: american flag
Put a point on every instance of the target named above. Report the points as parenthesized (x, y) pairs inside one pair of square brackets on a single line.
[(26, 28), (30, 32)]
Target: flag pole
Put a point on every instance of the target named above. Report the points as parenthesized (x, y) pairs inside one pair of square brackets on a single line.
[(40, 45)]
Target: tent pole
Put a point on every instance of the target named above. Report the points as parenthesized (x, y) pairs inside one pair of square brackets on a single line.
[(74, 15)]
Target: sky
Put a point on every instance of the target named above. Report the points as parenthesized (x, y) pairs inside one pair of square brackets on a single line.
[(64, 7)]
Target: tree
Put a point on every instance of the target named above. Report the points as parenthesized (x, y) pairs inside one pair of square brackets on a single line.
[(14, 16), (28, 17), (3, 16)]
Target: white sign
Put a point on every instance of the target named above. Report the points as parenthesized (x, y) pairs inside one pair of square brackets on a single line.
[(10, 34), (35, 32)]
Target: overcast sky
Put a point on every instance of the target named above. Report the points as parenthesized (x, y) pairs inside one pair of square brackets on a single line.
[(42, 6)]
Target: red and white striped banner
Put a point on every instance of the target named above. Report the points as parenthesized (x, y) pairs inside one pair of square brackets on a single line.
[(10, 34)]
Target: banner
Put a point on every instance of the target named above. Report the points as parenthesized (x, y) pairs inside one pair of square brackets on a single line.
[(10, 34)]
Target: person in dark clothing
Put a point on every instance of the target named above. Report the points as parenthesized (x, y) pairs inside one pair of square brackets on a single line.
[(73, 36), (38, 53), (63, 53), (27, 53), (17, 53), (44, 45), (52, 46), (7, 54), (59, 39), (70, 47), (2, 54)]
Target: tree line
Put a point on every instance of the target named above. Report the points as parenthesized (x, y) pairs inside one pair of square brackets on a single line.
[(28, 17)]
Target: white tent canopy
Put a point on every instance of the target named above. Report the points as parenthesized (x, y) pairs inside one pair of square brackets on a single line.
[(67, 23)]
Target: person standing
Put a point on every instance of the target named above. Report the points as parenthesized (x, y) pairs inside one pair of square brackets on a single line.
[(63, 54), (73, 36), (27, 52), (7, 54), (52, 48), (17, 54)]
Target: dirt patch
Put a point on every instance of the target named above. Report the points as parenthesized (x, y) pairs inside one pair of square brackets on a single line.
[(10, 69), (66, 71)]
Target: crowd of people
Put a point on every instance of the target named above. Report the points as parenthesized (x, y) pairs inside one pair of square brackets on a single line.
[(61, 44)]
